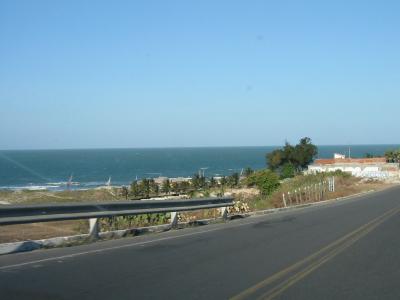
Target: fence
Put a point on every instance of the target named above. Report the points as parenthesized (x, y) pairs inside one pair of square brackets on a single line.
[(310, 193)]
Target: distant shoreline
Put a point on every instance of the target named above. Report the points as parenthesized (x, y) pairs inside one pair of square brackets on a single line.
[(186, 147)]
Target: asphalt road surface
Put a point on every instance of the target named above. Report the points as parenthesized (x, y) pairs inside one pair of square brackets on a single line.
[(347, 249)]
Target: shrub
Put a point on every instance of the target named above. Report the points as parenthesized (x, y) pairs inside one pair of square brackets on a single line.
[(265, 180), (288, 171), (340, 173), (124, 222)]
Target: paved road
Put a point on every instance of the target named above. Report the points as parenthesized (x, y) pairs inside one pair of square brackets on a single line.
[(344, 250)]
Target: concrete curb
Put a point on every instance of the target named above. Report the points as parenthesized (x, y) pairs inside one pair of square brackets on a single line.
[(24, 246), (30, 245)]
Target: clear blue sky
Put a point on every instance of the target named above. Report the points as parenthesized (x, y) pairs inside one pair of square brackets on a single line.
[(82, 74)]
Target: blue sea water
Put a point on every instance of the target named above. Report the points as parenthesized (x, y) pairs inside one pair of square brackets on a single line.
[(50, 169)]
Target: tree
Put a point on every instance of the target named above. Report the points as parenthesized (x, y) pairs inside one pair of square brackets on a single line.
[(154, 188), (304, 153), (198, 181), (184, 186), (299, 156), (175, 187), (213, 182), (275, 159), (124, 192), (288, 171), (223, 181), (265, 180), (145, 187), (368, 155), (392, 156), (135, 189), (166, 186), (233, 180), (248, 171)]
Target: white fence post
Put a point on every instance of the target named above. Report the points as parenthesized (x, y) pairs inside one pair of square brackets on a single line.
[(94, 228), (331, 181), (316, 193), (320, 191), (174, 219), (284, 200)]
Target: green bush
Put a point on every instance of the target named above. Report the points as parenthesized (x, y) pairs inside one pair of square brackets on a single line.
[(339, 173), (288, 171), (265, 180)]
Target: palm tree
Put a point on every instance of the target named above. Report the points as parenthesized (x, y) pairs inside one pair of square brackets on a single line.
[(175, 187), (145, 187), (213, 182), (154, 187), (124, 192), (223, 181), (392, 156), (248, 171), (233, 180), (135, 189), (196, 181), (166, 186)]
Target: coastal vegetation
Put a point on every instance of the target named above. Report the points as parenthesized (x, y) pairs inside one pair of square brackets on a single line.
[(265, 180), (291, 160), (393, 156)]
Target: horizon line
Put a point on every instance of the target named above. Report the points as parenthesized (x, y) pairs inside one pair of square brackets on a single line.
[(188, 147)]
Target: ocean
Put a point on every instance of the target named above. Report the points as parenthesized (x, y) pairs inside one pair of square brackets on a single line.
[(51, 169)]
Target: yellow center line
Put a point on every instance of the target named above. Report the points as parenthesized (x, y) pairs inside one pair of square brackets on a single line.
[(269, 280), (315, 265)]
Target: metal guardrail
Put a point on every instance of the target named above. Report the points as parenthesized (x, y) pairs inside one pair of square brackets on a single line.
[(21, 214)]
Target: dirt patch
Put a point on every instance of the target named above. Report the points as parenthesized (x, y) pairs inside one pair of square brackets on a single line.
[(36, 231)]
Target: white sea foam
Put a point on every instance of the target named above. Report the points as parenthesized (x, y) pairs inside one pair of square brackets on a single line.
[(32, 187), (62, 183), (56, 186)]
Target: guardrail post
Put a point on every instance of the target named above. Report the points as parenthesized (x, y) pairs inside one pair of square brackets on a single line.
[(174, 219), (284, 200), (94, 228), (224, 212)]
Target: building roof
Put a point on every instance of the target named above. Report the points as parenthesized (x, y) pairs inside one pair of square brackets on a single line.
[(331, 161)]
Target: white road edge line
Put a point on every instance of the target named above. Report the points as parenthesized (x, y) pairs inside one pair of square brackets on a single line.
[(123, 246)]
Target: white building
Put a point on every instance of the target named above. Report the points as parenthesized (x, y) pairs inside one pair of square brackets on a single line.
[(376, 167)]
